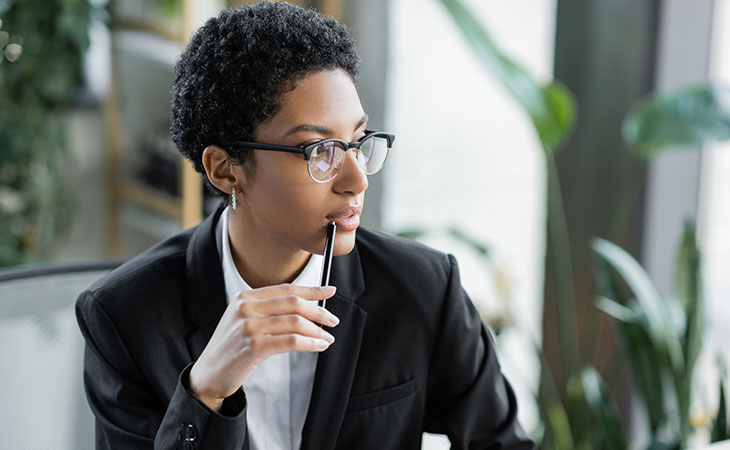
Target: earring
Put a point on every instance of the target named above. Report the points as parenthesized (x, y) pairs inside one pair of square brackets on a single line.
[(233, 198)]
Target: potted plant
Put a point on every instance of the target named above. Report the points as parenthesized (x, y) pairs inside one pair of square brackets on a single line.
[(41, 49)]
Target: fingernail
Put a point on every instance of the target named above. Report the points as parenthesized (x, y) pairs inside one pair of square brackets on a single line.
[(322, 344), (328, 337), (330, 289)]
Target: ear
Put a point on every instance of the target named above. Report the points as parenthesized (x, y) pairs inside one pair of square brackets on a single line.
[(221, 171)]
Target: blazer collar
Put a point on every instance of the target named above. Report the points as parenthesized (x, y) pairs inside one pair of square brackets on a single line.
[(205, 299), (347, 276)]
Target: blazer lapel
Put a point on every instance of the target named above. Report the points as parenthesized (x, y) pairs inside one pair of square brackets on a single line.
[(336, 366), (205, 298)]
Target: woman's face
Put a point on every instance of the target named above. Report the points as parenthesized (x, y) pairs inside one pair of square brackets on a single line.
[(281, 201)]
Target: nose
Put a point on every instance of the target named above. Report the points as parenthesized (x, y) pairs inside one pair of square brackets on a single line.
[(352, 178)]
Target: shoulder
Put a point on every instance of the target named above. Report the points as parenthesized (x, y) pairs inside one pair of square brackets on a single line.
[(398, 255), (408, 288), (380, 245), (148, 265), (130, 286)]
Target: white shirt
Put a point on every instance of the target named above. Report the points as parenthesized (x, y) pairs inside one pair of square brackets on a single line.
[(279, 389)]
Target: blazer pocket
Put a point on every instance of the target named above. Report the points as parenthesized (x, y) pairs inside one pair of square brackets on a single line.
[(382, 397)]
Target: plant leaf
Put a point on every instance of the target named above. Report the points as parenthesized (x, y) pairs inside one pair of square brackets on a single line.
[(720, 430), (647, 370), (479, 247), (559, 424), (413, 233), (616, 310), (551, 107), (690, 116), (688, 286), (559, 434), (603, 409), (660, 326), (650, 362)]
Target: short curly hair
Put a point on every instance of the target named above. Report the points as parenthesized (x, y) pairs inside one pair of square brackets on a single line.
[(232, 75)]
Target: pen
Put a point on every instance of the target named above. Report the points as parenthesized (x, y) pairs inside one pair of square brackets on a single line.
[(329, 245)]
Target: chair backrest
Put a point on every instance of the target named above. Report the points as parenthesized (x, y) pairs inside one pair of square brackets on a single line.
[(42, 401)]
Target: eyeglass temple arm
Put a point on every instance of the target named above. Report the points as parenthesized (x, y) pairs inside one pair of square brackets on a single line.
[(273, 147), (301, 150)]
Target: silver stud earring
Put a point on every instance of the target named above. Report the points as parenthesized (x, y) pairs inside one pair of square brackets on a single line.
[(233, 198)]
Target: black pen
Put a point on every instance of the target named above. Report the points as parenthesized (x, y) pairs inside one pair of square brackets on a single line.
[(329, 245)]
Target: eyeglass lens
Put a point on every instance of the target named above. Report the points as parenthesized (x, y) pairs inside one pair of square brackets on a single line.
[(327, 158)]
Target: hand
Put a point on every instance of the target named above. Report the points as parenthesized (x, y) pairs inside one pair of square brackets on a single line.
[(259, 323)]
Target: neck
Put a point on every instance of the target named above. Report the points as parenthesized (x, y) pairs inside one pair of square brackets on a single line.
[(261, 259)]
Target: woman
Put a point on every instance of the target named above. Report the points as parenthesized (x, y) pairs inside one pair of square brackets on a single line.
[(214, 339)]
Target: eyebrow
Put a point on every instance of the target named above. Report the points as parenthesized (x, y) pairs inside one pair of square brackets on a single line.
[(320, 129)]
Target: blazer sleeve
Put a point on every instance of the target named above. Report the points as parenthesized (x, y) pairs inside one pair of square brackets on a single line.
[(130, 415), (469, 399)]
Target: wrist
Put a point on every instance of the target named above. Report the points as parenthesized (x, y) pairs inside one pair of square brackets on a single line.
[(197, 388), (215, 404)]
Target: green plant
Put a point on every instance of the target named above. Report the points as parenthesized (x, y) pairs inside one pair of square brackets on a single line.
[(551, 108), (690, 116), (576, 404), (662, 355), (41, 47), (721, 426), (171, 8)]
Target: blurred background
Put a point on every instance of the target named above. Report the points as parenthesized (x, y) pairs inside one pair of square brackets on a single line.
[(572, 154)]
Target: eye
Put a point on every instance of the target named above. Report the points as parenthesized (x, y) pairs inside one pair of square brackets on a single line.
[(326, 160)]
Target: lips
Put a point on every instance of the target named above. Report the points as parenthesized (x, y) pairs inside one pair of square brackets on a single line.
[(346, 219)]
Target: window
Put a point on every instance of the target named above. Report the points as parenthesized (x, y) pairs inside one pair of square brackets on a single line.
[(442, 101)]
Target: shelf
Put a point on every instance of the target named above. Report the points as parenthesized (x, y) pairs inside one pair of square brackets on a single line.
[(145, 47)]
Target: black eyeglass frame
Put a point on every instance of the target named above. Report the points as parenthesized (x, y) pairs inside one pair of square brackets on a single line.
[(307, 150)]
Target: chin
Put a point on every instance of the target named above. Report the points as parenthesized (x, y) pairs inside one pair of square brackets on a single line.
[(344, 242)]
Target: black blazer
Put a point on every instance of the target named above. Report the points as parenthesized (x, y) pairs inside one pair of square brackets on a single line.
[(410, 354)]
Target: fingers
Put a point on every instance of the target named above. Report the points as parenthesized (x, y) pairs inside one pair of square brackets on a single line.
[(287, 324), (281, 343), (307, 292), (283, 318), (288, 305)]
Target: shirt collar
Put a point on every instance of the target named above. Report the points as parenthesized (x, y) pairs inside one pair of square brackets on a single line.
[(234, 283)]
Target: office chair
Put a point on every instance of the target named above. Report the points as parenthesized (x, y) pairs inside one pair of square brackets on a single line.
[(42, 401)]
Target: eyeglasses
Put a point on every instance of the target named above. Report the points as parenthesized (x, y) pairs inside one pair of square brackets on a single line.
[(325, 158)]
